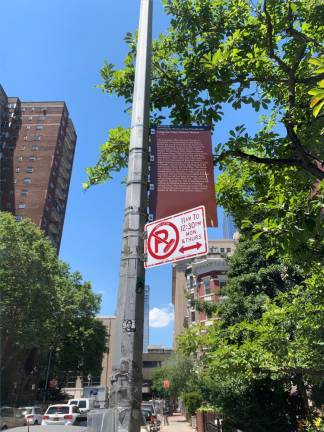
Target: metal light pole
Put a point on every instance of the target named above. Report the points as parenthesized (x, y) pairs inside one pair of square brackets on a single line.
[(126, 391)]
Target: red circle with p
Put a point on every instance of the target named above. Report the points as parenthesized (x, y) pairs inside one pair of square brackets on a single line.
[(165, 238)]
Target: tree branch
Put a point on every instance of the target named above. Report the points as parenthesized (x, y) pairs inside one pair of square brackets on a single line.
[(261, 160), (301, 37), (306, 164), (272, 53), (242, 79)]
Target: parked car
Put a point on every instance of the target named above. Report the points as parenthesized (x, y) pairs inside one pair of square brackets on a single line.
[(149, 406), (11, 417), (144, 425), (62, 414), (56, 428), (151, 418), (84, 404), (33, 415)]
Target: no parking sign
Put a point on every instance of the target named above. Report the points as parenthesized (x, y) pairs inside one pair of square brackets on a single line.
[(177, 237)]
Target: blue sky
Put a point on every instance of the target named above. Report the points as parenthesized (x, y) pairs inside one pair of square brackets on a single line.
[(53, 50)]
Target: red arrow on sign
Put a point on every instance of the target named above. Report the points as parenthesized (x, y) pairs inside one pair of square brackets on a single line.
[(183, 249)]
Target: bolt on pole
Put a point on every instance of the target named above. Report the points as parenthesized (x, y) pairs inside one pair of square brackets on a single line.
[(126, 391)]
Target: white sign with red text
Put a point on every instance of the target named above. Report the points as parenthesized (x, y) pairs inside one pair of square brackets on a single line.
[(177, 237)]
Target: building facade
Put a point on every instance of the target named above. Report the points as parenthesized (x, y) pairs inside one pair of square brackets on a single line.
[(199, 280), (3, 117), (36, 164), (154, 358), (74, 386), (229, 227)]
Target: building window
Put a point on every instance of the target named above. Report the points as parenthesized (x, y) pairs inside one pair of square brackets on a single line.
[(193, 316), (34, 147), (29, 170), (19, 218), (22, 109), (213, 249), (17, 170), (206, 282), (21, 205), (27, 180), (222, 250), (26, 138), (32, 158), (191, 283), (228, 250), (188, 271), (23, 147), (37, 138), (24, 192), (20, 158), (27, 127), (222, 284), (40, 118), (30, 118), (38, 127), (151, 363)]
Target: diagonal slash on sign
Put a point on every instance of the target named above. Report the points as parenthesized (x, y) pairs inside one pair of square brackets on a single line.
[(162, 240)]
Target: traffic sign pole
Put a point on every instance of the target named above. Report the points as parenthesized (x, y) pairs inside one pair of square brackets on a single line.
[(126, 391)]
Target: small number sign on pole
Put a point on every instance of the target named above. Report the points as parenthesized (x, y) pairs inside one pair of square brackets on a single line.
[(177, 237)]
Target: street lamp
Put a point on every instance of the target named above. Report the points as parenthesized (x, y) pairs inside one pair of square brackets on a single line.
[(126, 392)]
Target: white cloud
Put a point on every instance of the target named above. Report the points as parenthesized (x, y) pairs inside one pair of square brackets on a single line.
[(161, 317)]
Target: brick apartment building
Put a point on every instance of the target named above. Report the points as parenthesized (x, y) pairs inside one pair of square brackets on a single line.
[(199, 279), (37, 143)]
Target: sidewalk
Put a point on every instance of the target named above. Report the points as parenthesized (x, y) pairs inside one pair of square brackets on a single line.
[(177, 423)]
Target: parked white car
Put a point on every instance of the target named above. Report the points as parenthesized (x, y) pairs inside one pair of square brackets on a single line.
[(33, 415), (10, 417), (84, 404), (62, 414)]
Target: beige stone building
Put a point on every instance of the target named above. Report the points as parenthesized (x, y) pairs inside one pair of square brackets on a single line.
[(154, 358), (199, 279), (74, 385)]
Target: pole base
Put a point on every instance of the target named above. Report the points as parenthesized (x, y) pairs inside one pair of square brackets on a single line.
[(114, 420)]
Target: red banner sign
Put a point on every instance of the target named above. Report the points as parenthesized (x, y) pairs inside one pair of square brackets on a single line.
[(166, 384), (181, 172)]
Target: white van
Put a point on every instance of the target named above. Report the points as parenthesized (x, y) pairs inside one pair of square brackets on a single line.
[(84, 404)]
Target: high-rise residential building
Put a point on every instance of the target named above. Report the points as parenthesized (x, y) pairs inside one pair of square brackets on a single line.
[(3, 116), (36, 165), (199, 280), (229, 227), (146, 329)]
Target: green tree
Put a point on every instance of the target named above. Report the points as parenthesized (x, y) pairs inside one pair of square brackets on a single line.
[(246, 55), (267, 342), (216, 52), (79, 338), (44, 308), (178, 370), (254, 279)]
